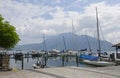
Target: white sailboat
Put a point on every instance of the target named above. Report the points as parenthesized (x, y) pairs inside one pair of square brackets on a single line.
[(93, 60), (99, 63), (41, 63)]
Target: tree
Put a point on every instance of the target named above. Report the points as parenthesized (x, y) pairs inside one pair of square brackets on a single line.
[(8, 36)]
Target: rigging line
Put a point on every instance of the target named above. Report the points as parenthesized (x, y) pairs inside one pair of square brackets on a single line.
[(103, 38), (73, 28), (88, 42), (74, 37), (73, 32), (95, 38), (96, 41)]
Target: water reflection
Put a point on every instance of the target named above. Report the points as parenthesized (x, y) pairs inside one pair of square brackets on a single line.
[(51, 62)]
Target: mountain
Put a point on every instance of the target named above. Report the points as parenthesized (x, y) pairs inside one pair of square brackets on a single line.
[(72, 41)]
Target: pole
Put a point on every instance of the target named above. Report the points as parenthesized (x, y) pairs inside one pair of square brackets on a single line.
[(45, 48), (63, 60), (77, 60), (22, 67), (64, 42), (98, 35), (27, 56), (45, 59)]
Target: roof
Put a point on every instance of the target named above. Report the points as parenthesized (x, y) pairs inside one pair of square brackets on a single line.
[(116, 45)]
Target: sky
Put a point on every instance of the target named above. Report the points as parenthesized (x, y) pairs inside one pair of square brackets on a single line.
[(33, 18)]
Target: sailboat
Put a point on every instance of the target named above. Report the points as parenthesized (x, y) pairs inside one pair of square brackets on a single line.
[(96, 60), (41, 63)]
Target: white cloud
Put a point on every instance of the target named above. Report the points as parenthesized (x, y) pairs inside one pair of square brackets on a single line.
[(48, 32), (109, 16), (31, 25)]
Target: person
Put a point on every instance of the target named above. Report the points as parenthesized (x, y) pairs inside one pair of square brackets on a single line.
[(38, 63)]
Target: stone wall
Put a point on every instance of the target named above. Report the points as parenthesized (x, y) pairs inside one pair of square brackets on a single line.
[(4, 62)]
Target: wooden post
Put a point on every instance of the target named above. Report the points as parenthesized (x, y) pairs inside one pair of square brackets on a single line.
[(116, 51), (70, 55), (63, 60), (38, 55), (22, 66), (113, 57), (77, 60), (27, 56), (45, 59), (67, 58), (13, 54)]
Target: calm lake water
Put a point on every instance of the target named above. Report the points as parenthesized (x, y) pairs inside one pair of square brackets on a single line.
[(52, 62)]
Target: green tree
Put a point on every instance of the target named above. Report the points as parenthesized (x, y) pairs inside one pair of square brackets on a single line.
[(8, 36)]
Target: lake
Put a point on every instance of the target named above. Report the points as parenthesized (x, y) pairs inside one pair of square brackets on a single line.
[(51, 62)]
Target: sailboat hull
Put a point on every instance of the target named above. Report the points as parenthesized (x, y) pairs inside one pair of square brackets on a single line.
[(99, 63)]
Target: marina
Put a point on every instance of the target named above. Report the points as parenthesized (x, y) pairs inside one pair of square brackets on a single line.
[(59, 39), (58, 59)]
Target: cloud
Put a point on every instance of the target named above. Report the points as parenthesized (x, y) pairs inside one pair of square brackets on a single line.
[(109, 16), (33, 18)]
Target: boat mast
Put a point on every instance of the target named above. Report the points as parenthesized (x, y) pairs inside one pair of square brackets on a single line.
[(98, 35), (64, 42), (73, 32), (45, 49)]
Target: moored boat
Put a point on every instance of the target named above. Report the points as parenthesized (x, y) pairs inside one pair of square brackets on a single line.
[(96, 60), (98, 63), (38, 64)]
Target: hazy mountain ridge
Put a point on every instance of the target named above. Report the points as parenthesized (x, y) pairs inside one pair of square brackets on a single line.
[(72, 41)]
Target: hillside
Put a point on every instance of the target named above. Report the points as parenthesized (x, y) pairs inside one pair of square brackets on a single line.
[(72, 41)]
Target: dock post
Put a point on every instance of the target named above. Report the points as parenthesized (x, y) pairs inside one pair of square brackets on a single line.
[(70, 55), (77, 60), (13, 54), (22, 66), (45, 59), (27, 56), (63, 60), (38, 55), (67, 58)]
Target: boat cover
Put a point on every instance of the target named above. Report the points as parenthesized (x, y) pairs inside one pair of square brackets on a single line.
[(89, 57)]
